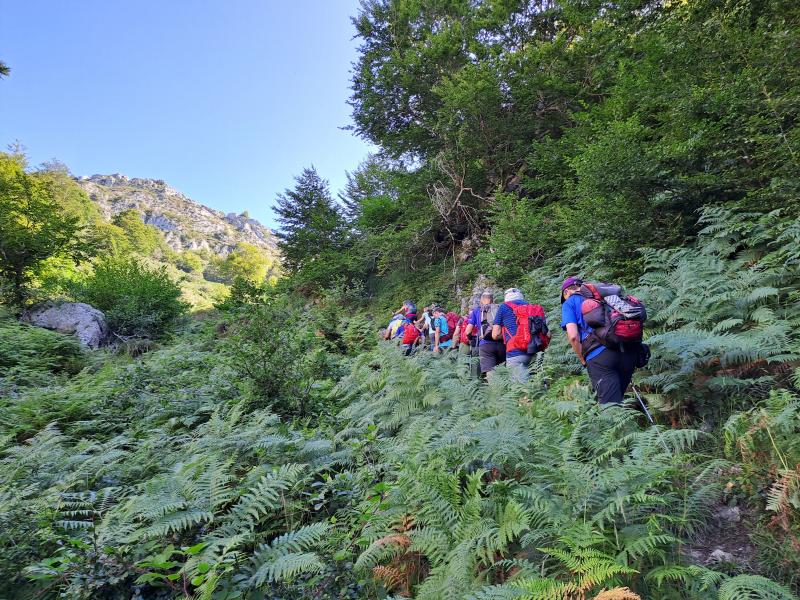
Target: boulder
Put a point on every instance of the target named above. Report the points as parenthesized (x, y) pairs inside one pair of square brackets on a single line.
[(719, 556), (83, 321), (481, 284), (729, 515)]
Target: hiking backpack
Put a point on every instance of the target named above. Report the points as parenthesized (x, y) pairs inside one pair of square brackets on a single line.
[(488, 314), (410, 334), (532, 334), (452, 320), (616, 318), (463, 337)]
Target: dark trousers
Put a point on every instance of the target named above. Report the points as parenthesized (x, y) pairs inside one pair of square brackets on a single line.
[(491, 354), (611, 372)]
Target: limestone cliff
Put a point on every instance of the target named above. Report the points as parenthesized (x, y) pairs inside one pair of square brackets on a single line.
[(186, 224)]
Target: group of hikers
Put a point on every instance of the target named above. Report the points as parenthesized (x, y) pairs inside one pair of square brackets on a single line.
[(603, 326)]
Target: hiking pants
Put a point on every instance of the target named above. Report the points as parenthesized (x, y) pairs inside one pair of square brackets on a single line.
[(519, 367), (611, 372), (491, 354), (469, 354)]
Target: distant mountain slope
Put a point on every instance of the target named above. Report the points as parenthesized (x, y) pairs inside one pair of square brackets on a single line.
[(186, 224)]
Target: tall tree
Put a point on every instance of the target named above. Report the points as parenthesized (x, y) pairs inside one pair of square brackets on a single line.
[(312, 228), (34, 226), (4, 69)]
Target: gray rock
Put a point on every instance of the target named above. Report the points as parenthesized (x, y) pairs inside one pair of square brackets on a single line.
[(719, 556), (160, 221), (482, 283), (83, 321), (729, 515)]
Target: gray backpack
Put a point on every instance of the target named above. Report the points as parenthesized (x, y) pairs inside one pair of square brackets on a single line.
[(488, 314)]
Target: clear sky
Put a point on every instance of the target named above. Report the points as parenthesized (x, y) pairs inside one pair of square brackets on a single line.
[(226, 100)]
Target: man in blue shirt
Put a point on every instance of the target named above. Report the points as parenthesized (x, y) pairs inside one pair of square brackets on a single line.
[(609, 369), (504, 327)]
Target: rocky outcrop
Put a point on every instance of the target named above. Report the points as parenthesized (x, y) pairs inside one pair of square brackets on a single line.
[(186, 224), (83, 321), (481, 284)]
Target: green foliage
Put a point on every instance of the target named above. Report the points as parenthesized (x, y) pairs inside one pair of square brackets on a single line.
[(612, 124), (250, 263), (189, 262), (312, 233), (36, 224), (141, 238), (137, 300), (765, 443), (29, 355), (277, 349), (724, 311)]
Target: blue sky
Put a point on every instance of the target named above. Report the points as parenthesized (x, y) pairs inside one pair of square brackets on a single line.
[(226, 100)]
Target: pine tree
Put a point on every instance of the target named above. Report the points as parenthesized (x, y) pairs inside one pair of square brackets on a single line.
[(311, 225)]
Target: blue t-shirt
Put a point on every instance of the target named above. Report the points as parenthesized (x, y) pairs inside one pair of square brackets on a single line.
[(571, 313), (475, 321), (505, 317), (441, 323)]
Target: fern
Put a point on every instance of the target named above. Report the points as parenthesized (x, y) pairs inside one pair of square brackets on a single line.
[(753, 587)]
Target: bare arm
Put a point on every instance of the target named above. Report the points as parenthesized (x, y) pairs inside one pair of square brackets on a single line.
[(470, 328), (456, 336), (497, 332), (436, 335), (574, 339)]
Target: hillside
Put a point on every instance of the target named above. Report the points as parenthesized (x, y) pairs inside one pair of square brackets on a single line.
[(274, 446), (186, 224)]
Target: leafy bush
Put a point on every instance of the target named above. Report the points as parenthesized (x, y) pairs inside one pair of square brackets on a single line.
[(278, 348), (137, 300)]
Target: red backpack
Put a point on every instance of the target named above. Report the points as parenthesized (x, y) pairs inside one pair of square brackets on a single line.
[(410, 333), (532, 335), (463, 337), (452, 320), (615, 317)]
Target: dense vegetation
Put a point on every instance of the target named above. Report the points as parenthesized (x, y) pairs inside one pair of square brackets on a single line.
[(272, 448)]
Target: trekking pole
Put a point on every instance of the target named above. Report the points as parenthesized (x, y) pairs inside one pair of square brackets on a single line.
[(649, 416), (641, 402)]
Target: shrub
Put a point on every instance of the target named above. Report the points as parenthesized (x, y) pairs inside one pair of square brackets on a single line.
[(279, 349), (138, 301)]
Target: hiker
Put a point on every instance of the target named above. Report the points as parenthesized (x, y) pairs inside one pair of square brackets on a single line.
[(490, 351), (611, 352), (424, 325), (392, 328), (408, 310), (466, 342), (523, 328), (440, 330), (411, 335)]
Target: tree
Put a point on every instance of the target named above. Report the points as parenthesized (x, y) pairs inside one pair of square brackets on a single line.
[(4, 70), (247, 262), (144, 239), (312, 232), (34, 226)]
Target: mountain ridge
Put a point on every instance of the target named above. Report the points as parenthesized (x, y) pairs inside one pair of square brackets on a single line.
[(185, 223)]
